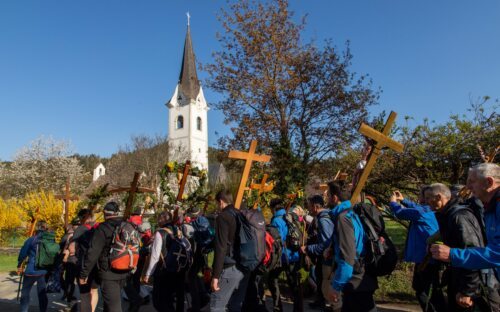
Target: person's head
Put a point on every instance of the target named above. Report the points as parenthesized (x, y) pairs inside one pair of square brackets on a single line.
[(276, 204), (223, 198), (421, 195), (164, 218), (42, 226), (111, 210), (316, 204), (337, 192), (193, 212), (298, 210), (84, 215), (437, 196), (484, 180)]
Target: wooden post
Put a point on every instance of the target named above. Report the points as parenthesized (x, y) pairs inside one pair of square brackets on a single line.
[(183, 181), (33, 222), (132, 190), (261, 187), (382, 140), (249, 157), (66, 198)]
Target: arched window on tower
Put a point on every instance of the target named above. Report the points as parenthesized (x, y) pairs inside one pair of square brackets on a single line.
[(180, 122), (198, 123)]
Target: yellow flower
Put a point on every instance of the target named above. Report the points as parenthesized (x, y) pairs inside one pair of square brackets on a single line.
[(170, 166)]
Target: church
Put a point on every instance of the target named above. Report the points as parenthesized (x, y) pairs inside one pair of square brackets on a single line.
[(187, 113)]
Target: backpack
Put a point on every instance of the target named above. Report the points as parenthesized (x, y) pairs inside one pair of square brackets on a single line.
[(203, 234), (381, 255), (124, 248), (274, 249), (176, 253), (295, 236), (250, 245), (47, 251)]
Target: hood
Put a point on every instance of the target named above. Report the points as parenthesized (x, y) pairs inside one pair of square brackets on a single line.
[(280, 213), (345, 205)]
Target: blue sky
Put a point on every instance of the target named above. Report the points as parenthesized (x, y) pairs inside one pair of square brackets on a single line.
[(96, 72)]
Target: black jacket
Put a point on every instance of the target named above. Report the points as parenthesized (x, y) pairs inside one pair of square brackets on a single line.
[(460, 227), (225, 233), (98, 252)]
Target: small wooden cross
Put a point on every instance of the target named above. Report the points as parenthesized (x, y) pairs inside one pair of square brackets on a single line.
[(132, 190), (67, 198), (33, 222), (382, 140), (249, 157), (182, 183), (261, 187)]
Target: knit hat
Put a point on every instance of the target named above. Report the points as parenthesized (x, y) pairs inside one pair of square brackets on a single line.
[(111, 209)]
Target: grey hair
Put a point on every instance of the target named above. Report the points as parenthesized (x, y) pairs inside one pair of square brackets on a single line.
[(486, 170), (439, 188)]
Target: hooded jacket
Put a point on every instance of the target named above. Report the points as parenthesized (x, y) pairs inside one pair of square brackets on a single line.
[(29, 250), (279, 222), (423, 224), (488, 256)]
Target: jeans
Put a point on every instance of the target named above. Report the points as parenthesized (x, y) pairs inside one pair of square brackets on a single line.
[(233, 286), (41, 286)]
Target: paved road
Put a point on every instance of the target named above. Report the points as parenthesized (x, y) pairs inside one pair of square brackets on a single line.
[(8, 293)]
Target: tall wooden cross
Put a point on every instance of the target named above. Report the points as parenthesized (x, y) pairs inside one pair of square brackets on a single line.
[(249, 157), (382, 140), (261, 187), (182, 182), (133, 189), (67, 198)]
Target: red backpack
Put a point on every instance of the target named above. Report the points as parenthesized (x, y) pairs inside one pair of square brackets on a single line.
[(124, 248)]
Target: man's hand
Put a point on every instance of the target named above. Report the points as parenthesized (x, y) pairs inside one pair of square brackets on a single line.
[(333, 295), (215, 284), (396, 197), (145, 279), (440, 252), (20, 270), (464, 301), (83, 281), (302, 249)]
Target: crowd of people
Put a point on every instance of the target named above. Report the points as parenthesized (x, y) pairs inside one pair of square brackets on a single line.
[(453, 239)]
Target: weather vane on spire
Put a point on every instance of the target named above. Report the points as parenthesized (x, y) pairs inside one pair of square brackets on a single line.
[(188, 16)]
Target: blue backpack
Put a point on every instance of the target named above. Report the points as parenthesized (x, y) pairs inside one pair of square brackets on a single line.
[(203, 234), (176, 253), (250, 245)]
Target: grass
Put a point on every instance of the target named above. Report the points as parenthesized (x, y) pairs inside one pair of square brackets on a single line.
[(8, 262)]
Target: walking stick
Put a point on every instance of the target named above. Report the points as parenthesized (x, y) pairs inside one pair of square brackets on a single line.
[(20, 281)]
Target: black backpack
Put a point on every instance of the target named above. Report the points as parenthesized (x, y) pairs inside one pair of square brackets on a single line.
[(250, 245), (176, 253), (274, 250), (381, 255), (295, 236)]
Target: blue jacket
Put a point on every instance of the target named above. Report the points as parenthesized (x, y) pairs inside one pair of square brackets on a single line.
[(325, 231), (348, 243), (279, 222), (489, 256), (29, 250), (423, 224)]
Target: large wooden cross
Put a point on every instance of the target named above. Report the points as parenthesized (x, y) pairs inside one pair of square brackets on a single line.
[(262, 187), (182, 182), (67, 198), (133, 189), (249, 157), (382, 140)]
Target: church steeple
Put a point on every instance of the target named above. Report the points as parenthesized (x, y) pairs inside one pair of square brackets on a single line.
[(189, 84)]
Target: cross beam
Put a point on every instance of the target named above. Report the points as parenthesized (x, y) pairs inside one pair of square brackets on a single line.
[(261, 187), (67, 198), (132, 190), (249, 157), (382, 140)]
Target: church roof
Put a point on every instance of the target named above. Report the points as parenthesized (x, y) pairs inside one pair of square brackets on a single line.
[(188, 78)]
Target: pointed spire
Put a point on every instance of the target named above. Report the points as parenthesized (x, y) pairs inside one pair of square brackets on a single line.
[(188, 78)]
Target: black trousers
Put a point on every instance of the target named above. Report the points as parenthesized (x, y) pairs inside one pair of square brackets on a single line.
[(70, 274), (197, 290), (358, 301), (423, 282), (293, 279), (254, 299), (112, 295), (168, 288)]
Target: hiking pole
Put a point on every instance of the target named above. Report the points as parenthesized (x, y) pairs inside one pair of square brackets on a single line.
[(20, 281)]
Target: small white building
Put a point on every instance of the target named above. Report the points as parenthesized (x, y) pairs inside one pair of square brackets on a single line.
[(187, 114), (99, 171)]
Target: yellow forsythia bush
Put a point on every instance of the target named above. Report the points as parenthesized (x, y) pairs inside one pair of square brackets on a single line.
[(11, 218)]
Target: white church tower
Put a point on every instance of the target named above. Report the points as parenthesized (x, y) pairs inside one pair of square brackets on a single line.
[(187, 114)]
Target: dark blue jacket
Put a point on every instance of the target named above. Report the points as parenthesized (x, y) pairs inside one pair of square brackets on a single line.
[(489, 256), (423, 224), (279, 222), (348, 244), (29, 250), (325, 231)]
